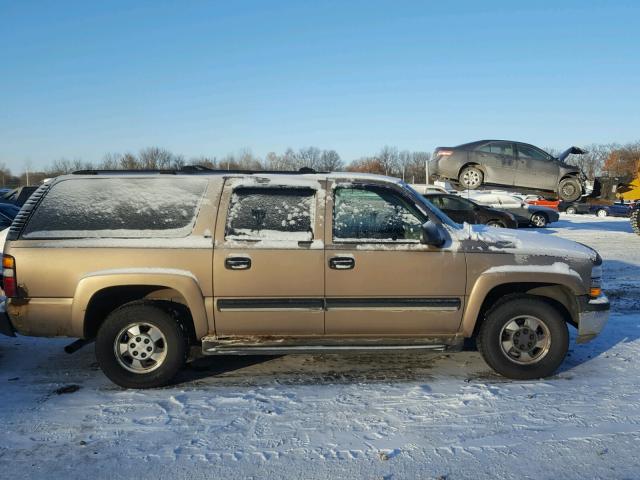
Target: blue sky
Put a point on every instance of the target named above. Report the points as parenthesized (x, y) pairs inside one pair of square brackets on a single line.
[(79, 79)]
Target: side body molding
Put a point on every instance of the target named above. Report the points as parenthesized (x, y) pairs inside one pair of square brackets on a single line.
[(181, 281), (487, 281)]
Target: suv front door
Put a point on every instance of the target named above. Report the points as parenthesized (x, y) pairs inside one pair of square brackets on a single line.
[(268, 262), (380, 280)]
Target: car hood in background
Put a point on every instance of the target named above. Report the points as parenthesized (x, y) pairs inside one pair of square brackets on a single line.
[(569, 151)]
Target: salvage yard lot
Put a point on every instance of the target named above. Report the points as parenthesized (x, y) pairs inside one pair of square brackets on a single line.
[(393, 416)]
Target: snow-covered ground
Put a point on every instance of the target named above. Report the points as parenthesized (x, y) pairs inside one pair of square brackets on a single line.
[(340, 416)]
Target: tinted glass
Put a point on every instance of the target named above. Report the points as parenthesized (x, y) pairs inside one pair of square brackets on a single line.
[(499, 148), (117, 208), (271, 214), (453, 203), (532, 153), (374, 214)]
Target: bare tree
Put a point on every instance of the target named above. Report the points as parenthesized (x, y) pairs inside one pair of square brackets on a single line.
[(388, 157), (330, 161)]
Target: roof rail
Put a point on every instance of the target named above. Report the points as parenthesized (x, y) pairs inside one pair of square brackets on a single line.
[(194, 169)]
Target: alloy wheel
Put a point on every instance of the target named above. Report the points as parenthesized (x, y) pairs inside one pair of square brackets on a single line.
[(140, 347), (525, 340)]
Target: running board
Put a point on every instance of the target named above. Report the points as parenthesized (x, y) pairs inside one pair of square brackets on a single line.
[(231, 347)]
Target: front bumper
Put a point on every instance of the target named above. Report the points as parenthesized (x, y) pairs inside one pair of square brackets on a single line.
[(593, 315), (6, 328)]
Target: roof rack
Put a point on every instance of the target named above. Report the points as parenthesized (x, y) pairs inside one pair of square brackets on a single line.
[(195, 169)]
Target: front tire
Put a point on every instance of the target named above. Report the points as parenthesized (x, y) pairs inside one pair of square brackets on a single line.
[(571, 211), (569, 189), (471, 178), (602, 213), (539, 220), (523, 338), (496, 224), (141, 345)]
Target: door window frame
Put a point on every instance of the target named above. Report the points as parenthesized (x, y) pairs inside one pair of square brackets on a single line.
[(231, 184), (370, 242)]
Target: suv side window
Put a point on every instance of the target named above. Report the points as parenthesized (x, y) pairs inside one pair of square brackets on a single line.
[(374, 214), (271, 213), (498, 148), (533, 153), (121, 207)]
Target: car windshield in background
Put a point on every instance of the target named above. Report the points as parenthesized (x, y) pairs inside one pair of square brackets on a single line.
[(118, 208), (436, 211)]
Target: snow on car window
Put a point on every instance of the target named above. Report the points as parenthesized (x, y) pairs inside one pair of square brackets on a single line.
[(118, 208), (374, 214), (271, 213)]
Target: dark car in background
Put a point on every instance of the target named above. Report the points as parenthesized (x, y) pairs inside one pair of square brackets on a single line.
[(18, 196), (462, 210), (618, 209), (509, 164), (526, 215), (7, 213)]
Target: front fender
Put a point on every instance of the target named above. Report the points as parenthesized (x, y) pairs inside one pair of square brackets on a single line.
[(514, 275), (180, 280)]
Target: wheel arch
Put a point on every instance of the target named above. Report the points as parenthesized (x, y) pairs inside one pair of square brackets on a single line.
[(98, 294), (560, 292), (472, 163)]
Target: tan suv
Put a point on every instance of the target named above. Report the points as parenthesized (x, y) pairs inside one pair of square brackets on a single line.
[(151, 265)]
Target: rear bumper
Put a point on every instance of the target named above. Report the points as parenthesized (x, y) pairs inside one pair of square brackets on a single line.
[(593, 315), (6, 327)]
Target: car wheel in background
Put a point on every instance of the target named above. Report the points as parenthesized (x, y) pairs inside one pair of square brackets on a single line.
[(141, 345), (523, 338), (539, 220), (569, 189), (471, 178), (602, 213), (571, 210), (635, 220), (496, 223)]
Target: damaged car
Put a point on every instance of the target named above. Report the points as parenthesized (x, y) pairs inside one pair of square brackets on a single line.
[(509, 164)]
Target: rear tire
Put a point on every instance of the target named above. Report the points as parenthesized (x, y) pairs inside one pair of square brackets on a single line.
[(571, 211), (523, 338), (602, 213), (141, 345), (569, 189), (471, 178), (539, 220)]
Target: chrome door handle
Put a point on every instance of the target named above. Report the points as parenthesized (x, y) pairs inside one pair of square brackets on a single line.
[(237, 263), (342, 263)]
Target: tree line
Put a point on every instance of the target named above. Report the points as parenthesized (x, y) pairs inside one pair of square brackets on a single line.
[(613, 159)]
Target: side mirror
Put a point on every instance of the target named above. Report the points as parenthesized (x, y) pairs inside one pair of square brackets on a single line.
[(432, 234)]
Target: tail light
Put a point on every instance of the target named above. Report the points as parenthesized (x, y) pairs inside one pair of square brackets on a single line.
[(9, 284), (444, 153)]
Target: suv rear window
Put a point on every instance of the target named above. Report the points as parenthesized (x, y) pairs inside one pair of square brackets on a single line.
[(271, 213), (117, 208)]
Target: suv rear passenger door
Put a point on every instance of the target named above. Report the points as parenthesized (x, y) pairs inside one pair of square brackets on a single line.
[(380, 280), (268, 272)]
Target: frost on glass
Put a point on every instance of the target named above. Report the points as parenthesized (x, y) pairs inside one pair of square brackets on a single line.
[(118, 208), (376, 215), (271, 214)]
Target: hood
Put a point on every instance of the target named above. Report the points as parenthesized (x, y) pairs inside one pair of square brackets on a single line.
[(571, 150), (527, 243)]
